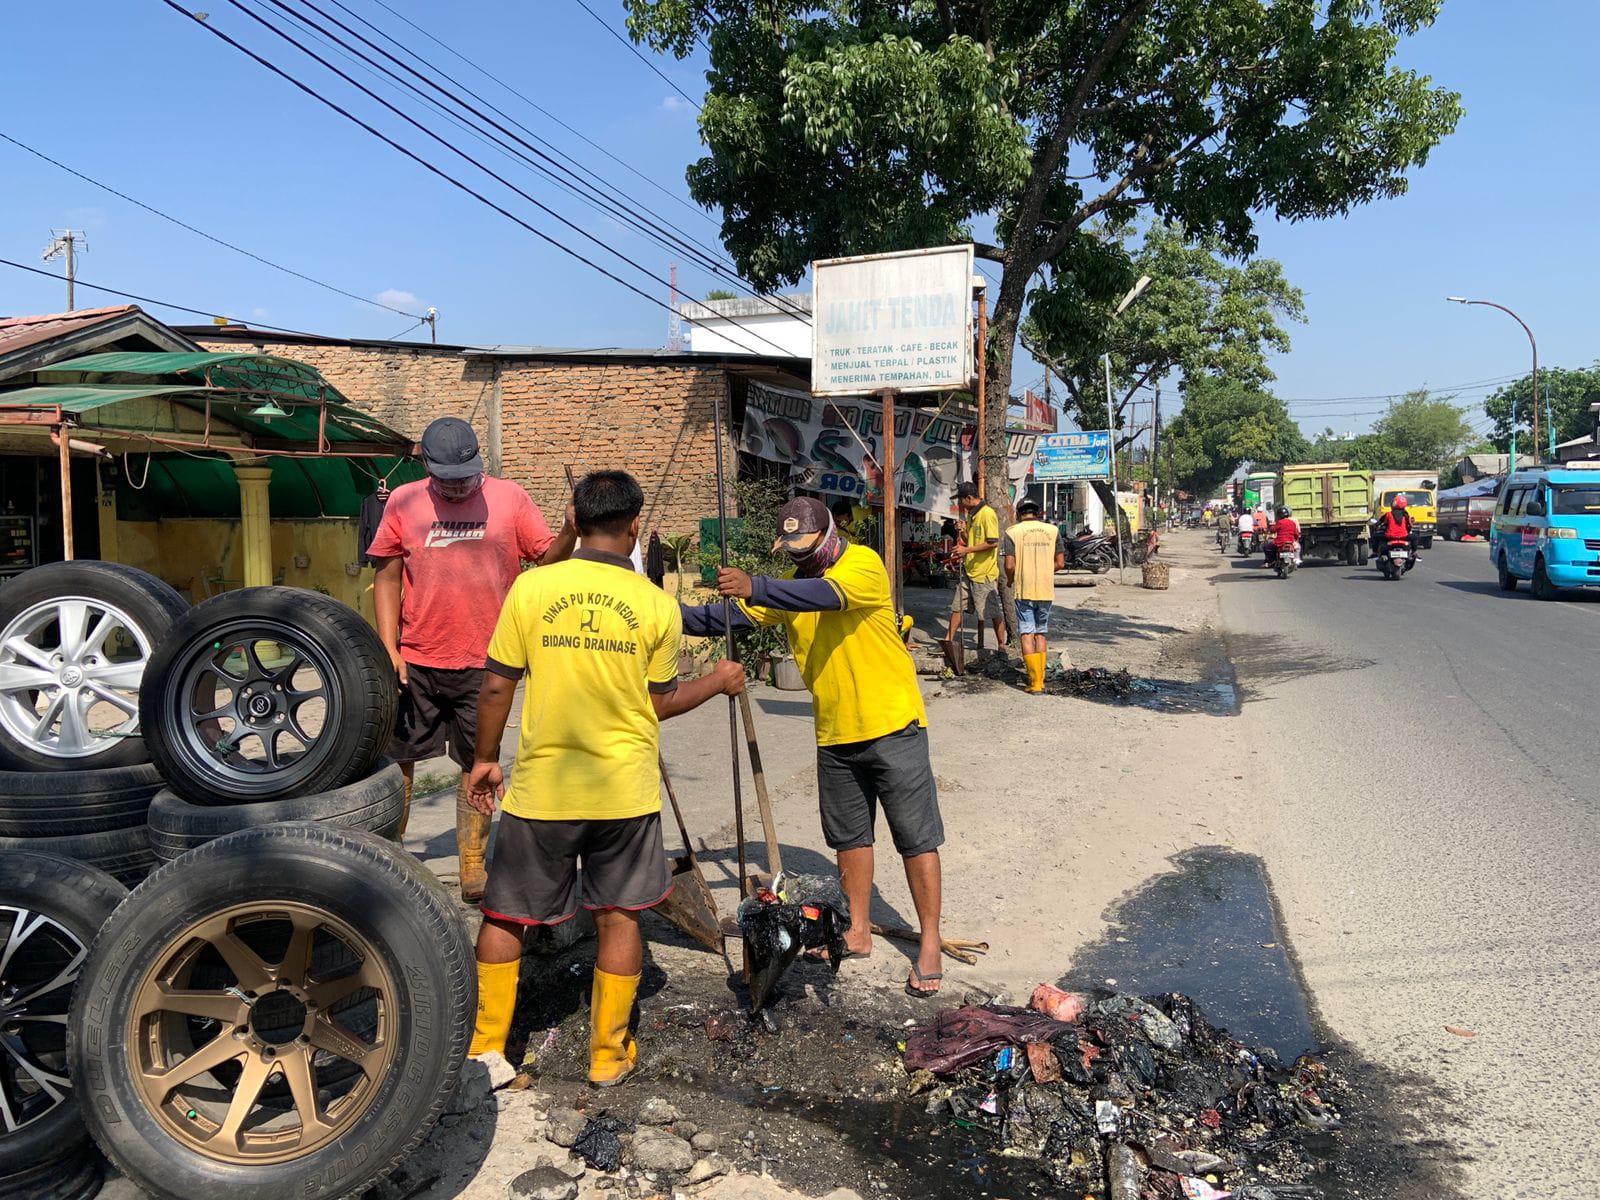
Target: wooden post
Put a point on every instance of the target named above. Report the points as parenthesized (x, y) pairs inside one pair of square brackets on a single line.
[(891, 506), (255, 524), (65, 440)]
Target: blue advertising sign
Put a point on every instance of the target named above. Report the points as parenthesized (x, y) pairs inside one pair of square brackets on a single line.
[(1073, 456)]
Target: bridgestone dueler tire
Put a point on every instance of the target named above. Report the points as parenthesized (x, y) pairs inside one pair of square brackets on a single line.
[(55, 804), (375, 804), (77, 1176), (151, 607), (333, 645), (124, 854), (412, 930), (74, 901)]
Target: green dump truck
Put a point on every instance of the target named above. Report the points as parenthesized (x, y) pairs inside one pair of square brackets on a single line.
[(1333, 505)]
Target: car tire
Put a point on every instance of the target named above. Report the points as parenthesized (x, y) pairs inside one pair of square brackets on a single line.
[(124, 854), (1540, 584), (1508, 581), (50, 911), (126, 613), (375, 804), (303, 692), (248, 895), (76, 1176), (57, 804)]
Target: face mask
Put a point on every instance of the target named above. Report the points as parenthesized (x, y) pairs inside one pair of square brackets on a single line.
[(808, 564), (457, 490)]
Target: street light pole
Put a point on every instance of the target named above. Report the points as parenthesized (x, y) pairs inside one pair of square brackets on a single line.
[(1111, 422), (1533, 379)]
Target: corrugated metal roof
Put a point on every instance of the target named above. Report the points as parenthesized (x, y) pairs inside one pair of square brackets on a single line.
[(18, 333)]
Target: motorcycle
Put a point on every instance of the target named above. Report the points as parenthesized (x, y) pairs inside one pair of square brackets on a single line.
[(1282, 561), (1395, 559), (1093, 552), (1222, 537), (1247, 548)]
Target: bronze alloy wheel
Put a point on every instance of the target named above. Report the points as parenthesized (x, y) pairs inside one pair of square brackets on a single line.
[(262, 1032)]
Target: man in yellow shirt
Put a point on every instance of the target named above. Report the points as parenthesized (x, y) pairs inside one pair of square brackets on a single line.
[(1033, 554), (872, 730), (978, 587), (598, 646)]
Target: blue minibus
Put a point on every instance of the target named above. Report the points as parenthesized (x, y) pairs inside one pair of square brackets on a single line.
[(1546, 529)]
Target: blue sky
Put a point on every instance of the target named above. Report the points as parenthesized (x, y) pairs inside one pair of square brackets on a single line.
[(142, 99)]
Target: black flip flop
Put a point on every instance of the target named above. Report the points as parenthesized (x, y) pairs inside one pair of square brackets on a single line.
[(919, 993)]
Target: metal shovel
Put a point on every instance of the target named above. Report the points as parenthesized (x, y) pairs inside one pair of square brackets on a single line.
[(689, 906)]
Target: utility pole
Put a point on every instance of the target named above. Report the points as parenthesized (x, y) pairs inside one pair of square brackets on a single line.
[(1155, 447), (66, 243)]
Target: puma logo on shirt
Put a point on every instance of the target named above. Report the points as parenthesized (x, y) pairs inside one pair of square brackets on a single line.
[(448, 533)]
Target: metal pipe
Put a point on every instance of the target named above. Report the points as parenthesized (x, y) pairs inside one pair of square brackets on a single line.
[(732, 650), (1533, 379), (891, 506), (66, 490), (983, 354)]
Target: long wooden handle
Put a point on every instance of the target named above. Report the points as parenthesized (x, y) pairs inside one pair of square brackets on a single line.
[(769, 827), (666, 781)]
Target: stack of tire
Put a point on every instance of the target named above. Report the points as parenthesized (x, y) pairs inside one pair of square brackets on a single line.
[(266, 705), (75, 780)]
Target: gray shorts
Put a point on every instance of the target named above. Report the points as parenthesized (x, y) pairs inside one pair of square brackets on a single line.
[(982, 599), (536, 878), (854, 778)]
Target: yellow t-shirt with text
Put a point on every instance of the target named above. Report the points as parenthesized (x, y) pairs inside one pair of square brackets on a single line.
[(1034, 545), (863, 684), (593, 640), (984, 566)]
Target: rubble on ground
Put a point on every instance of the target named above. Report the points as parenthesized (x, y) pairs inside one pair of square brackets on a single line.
[(1120, 1097)]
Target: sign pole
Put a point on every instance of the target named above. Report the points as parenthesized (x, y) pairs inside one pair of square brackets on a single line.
[(983, 354), (1116, 502), (891, 508)]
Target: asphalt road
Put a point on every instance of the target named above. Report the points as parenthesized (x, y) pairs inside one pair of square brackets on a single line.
[(1428, 811)]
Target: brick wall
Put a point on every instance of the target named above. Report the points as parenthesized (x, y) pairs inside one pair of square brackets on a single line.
[(653, 420)]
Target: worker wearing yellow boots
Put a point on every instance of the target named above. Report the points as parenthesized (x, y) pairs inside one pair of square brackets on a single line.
[(1033, 553), (598, 646), (448, 549)]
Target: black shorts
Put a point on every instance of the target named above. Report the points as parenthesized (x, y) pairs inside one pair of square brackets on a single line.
[(893, 770), (438, 709), (536, 877)]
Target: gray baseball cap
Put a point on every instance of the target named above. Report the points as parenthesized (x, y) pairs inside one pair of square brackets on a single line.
[(450, 449)]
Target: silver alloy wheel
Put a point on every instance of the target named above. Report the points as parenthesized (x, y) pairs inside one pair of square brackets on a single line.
[(39, 965), (70, 669)]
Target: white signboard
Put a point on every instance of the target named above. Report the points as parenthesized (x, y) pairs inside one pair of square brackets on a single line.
[(901, 321)]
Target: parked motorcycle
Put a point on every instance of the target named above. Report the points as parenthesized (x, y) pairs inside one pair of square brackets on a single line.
[(1395, 559), (1093, 552)]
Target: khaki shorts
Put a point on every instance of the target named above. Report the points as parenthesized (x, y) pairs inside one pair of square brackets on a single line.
[(980, 598)]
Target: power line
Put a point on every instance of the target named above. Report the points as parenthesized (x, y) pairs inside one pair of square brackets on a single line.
[(106, 187), (439, 171), (634, 50), (208, 313), (1450, 387), (545, 112)]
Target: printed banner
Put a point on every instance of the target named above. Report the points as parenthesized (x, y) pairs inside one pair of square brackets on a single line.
[(814, 438), (1073, 456)]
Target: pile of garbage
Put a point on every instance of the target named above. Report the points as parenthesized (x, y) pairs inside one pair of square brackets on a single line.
[(798, 913), (1096, 682), (1123, 1098)]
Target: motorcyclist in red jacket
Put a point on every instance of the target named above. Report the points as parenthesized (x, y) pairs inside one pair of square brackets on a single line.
[(1392, 527), (1286, 533)]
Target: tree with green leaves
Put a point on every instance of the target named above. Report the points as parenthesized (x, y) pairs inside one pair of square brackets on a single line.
[(1224, 424), (1200, 315), (836, 129), (1422, 432), (1571, 393)]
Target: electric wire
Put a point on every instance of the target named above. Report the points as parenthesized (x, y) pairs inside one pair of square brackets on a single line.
[(700, 255), (635, 51), (209, 313), (444, 175), (410, 120), (210, 237), (545, 112)]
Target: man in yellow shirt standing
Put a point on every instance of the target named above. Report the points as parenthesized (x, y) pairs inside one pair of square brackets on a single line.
[(598, 646), (978, 587), (872, 730), (1033, 554)]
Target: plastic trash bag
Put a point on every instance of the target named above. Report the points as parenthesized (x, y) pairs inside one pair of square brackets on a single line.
[(961, 1036)]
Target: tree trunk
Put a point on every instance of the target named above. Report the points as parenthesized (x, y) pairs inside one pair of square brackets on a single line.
[(993, 480)]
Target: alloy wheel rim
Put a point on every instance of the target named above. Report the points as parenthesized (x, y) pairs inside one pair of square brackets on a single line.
[(39, 965), (256, 704), (70, 669), (245, 1071)]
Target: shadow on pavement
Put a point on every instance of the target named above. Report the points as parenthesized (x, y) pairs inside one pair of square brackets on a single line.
[(1262, 659)]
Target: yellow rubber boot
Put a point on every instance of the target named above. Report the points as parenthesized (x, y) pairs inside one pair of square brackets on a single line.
[(1035, 664), (472, 843), (613, 1053), (497, 997)]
